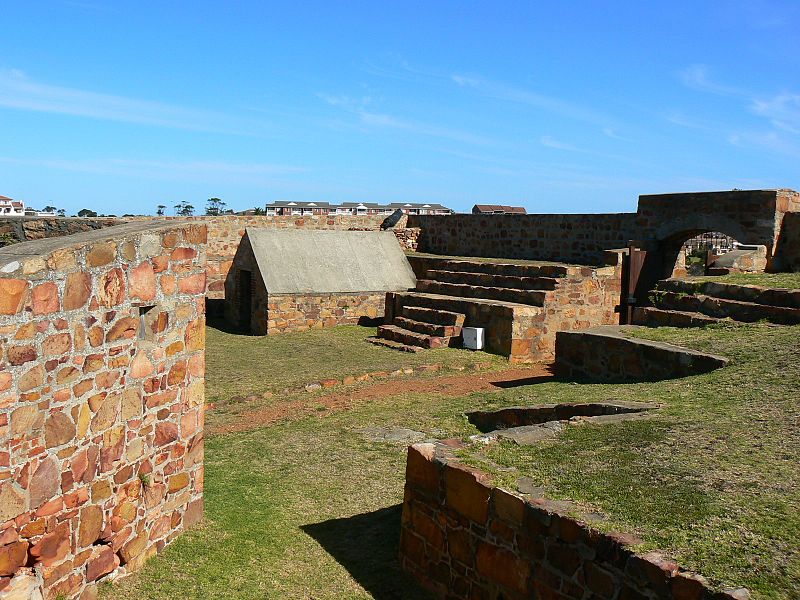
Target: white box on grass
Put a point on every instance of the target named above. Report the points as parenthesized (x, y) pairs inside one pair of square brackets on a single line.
[(473, 337)]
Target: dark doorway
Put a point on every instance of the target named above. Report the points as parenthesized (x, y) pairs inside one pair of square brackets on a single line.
[(245, 299)]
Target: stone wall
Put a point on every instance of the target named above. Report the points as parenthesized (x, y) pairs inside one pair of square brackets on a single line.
[(461, 537), (290, 312), (23, 229), (567, 238), (607, 354), (789, 243), (101, 403)]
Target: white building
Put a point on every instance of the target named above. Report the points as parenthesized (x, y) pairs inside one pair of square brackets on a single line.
[(11, 208)]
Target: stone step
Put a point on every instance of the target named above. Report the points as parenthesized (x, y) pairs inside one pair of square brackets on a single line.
[(433, 329), (650, 316), (433, 315), (531, 297), (746, 312), (394, 345), (732, 291), (411, 338), (493, 280)]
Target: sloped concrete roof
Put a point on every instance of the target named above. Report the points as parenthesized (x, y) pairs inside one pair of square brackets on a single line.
[(323, 262)]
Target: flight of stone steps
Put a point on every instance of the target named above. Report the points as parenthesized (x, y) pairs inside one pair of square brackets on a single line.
[(687, 303), (457, 291)]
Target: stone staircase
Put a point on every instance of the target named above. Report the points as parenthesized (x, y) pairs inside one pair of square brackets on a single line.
[(686, 303), (512, 302)]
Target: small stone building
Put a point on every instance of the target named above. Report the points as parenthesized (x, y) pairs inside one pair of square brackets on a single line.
[(294, 280)]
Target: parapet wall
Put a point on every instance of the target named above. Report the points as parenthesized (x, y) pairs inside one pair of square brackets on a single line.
[(25, 229), (567, 238), (102, 361), (461, 537)]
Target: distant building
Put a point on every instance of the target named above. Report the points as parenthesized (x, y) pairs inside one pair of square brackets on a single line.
[(498, 209), (11, 208), (299, 209)]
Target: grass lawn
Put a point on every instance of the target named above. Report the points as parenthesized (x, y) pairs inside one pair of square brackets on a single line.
[(309, 507), (770, 280), (238, 365)]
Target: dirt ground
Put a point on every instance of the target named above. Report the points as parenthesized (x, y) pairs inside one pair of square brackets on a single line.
[(450, 385)]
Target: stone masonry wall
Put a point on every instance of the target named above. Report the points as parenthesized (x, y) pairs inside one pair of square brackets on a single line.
[(101, 403), (609, 355), (23, 229), (578, 239), (289, 312), (461, 537)]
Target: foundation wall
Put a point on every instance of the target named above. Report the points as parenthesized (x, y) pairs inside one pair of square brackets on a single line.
[(461, 537), (102, 367), (301, 312)]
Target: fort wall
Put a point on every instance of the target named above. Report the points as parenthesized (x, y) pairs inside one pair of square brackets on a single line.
[(102, 361), (462, 537)]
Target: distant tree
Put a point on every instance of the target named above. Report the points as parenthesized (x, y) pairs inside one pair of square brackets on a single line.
[(62, 212), (49, 208), (184, 209), (258, 211), (160, 211), (215, 207), (85, 212)]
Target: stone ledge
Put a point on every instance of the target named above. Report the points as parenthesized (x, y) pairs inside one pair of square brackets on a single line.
[(607, 354)]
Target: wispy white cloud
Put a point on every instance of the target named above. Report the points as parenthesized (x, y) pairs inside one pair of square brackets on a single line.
[(783, 111), (549, 142), (550, 104), (157, 169), (369, 118), (18, 91), (697, 77)]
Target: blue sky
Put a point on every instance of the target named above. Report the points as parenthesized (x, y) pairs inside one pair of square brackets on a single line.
[(558, 106)]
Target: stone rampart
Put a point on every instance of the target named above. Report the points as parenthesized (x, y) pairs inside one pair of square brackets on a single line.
[(102, 360), (461, 537), (566, 238)]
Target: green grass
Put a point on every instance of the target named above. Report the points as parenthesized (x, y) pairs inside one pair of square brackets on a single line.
[(308, 508), (712, 479), (770, 280), (238, 365)]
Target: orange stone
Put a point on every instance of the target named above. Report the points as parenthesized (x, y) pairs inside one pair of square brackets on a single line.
[(58, 344), (125, 328), (142, 282), (102, 562), (112, 288), (12, 557), (53, 547), (193, 284), (77, 290), (13, 293), (101, 254), (45, 298)]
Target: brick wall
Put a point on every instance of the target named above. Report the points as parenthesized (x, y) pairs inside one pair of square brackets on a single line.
[(461, 537), (101, 403)]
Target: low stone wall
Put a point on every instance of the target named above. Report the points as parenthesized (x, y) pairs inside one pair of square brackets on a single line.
[(607, 354), (788, 247), (101, 403), (578, 239), (24, 229), (289, 312), (462, 537)]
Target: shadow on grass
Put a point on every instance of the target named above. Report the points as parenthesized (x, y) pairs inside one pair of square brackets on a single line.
[(518, 382), (367, 546)]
